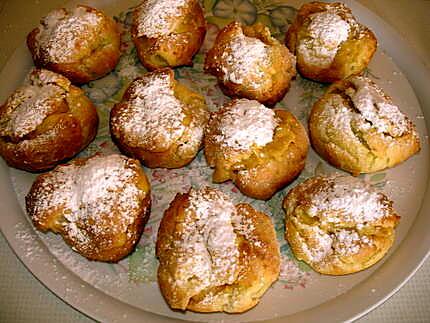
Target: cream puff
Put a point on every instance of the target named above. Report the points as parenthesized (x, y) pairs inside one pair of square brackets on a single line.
[(338, 224), (329, 43), (45, 121), (99, 205), (82, 43), (259, 149), (215, 256)]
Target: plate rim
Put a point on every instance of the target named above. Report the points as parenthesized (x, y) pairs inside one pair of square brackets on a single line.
[(414, 70)]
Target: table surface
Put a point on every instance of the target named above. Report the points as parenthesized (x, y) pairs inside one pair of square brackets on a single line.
[(28, 300)]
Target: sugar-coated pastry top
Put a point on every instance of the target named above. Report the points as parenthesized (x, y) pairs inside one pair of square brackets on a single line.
[(156, 18), (208, 248), (214, 255), (152, 115), (42, 94), (245, 124), (345, 199), (371, 109), (326, 31), (66, 34), (95, 204), (339, 224), (375, 109), (243, 56)]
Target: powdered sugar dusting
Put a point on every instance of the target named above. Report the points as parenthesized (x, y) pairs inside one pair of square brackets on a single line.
[(97, 197), (246, 123), (28, 106), (335, 216), (208, 247), (244, 57), (60, 33), (327, 30), (339, 115), (348, 199), (368, 109), (153, 115), (376, 108), (156, 18), (320, 243), (349, 242), (244, 225)]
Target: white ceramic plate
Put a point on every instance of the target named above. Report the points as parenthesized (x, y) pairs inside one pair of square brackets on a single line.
[(128, 292)]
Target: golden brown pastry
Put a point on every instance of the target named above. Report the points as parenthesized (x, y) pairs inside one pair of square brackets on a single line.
[(355, 126), (338, 224), (249, 63), (45, 121), (99, 205), (329, 43), (167, 33), (215, 256), (159, 121), (259, 149), (81, 43)]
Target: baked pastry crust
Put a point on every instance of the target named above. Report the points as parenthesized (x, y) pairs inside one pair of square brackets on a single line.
[(355, 126), (45, 121), (99, 205), (329, 43), (249, 63), (168, 33), (338, 224), (258, 170), (81, 43), (244, 259), (159, 121)]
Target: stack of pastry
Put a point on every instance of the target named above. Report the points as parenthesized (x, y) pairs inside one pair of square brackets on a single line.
[(214, 255)]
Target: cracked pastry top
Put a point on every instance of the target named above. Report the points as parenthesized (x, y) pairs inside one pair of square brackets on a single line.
[(355, 126), (338, 224), (329, 43), (261, 150), (215, 256), (249, 63), (159, 121), (99, 205), (45, 121), (81, 43), (168, 33)]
